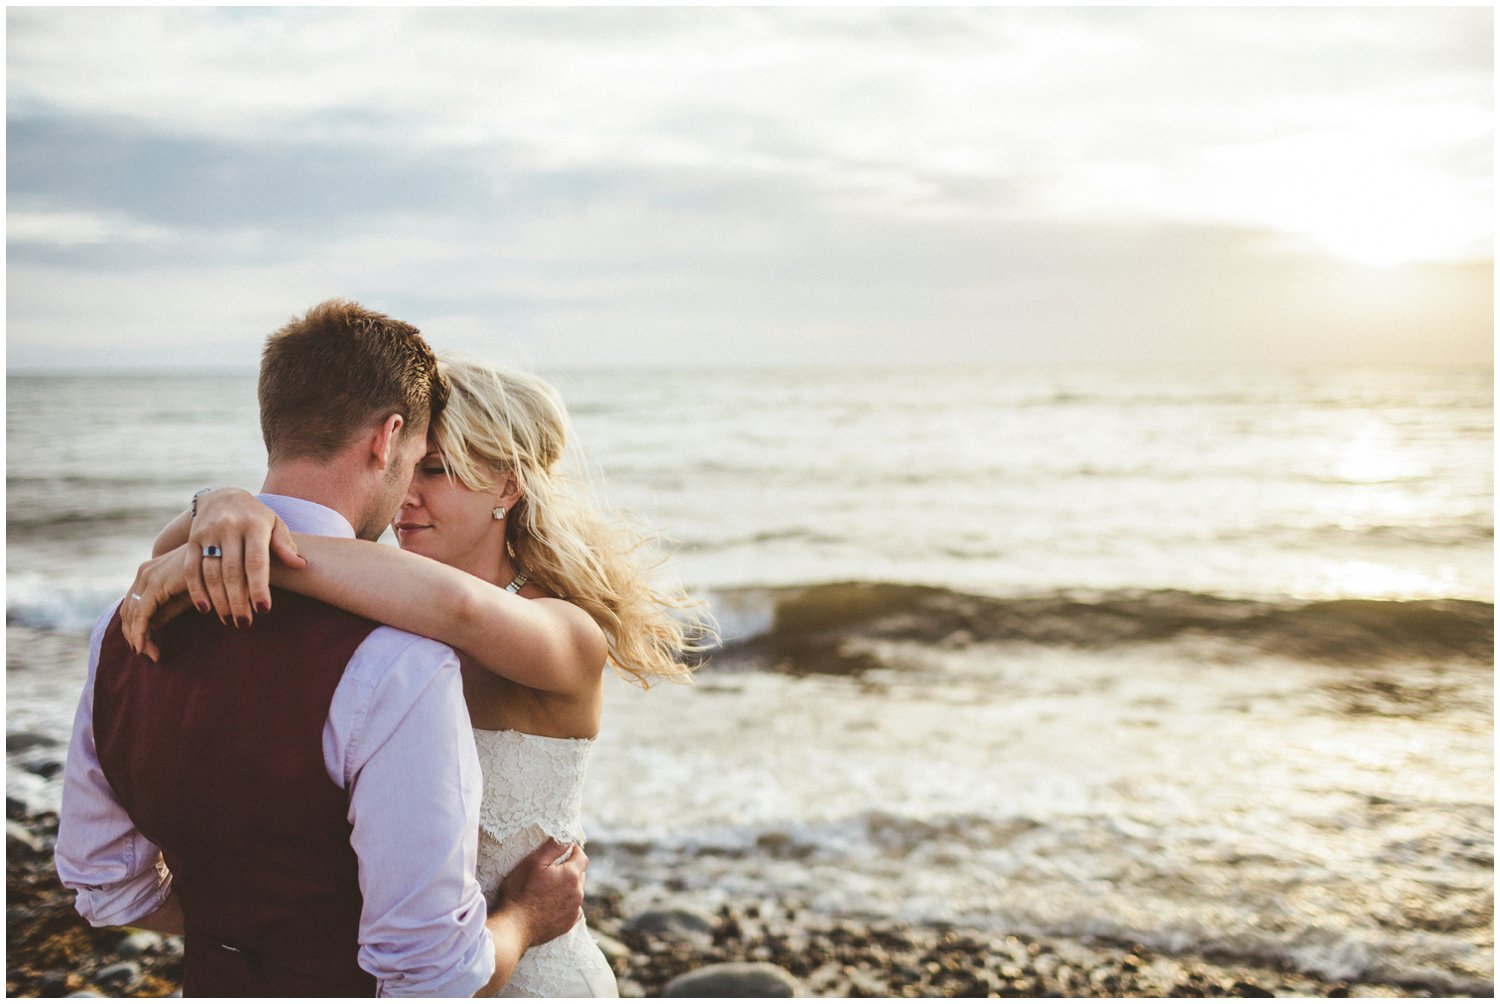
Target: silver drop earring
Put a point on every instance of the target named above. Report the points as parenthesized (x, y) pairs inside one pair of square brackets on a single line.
[(499, 512)]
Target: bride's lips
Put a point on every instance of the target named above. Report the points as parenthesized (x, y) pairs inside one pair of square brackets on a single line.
[(407, 528)]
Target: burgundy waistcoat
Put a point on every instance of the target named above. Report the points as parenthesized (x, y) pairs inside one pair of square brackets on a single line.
[(216, 753)]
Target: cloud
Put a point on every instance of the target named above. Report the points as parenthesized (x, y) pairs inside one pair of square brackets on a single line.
[(803, 288), (73, 228), (200, 183), (619, 184)]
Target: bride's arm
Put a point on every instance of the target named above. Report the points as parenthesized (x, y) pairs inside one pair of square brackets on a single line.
[(545, 643), (173, 535)]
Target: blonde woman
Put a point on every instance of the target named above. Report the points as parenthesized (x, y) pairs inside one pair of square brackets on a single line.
[(503, 558)]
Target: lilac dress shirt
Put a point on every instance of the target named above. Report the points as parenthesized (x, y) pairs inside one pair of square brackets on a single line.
[(398, 740)]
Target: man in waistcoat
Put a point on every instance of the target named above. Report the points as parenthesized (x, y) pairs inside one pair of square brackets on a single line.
[(300, 797)]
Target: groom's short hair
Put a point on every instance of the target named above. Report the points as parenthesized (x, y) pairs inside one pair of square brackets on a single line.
[(337, 369)]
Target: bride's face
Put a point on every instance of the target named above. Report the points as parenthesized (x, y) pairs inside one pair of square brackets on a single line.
[(443, 519)]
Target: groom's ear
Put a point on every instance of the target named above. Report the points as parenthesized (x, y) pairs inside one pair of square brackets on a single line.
[(386, 439)]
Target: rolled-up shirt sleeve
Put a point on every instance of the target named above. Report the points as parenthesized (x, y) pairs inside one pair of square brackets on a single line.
[(117, 874), (400, 733)]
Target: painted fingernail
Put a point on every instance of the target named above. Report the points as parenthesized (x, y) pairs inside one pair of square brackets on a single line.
[(204, 608), (242, 622), (263, 607)]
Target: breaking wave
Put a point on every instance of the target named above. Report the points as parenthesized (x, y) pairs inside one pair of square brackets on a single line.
[(813, 629)]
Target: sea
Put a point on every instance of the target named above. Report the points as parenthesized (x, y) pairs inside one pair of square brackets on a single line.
[(1196, 659)]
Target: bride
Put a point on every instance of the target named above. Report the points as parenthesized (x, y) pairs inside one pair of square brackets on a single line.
[(503, 558)]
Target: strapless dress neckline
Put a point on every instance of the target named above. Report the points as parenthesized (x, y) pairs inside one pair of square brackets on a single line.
[(533, 735)]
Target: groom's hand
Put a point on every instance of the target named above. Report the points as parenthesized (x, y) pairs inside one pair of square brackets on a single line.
[(541, 899), (547, 886)]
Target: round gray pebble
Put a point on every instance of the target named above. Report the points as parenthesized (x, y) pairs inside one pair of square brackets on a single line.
[(139, 943), (735, 979), (22, 842), (611, 947), (119, 975), (674, 923)]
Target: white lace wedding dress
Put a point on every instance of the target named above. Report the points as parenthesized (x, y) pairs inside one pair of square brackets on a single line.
[(533, 789)]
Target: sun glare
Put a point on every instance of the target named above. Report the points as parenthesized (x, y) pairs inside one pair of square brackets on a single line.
[(1387, 217), (1351, 193), (1372, 456), (1370, 580), (1387, 238)]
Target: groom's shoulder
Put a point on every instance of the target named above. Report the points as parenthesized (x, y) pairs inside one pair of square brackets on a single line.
[(392, 660)]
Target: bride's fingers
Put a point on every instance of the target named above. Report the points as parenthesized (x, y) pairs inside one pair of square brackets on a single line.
[(213, 581), (232, 577), (135, 616), (192, 570), (285, 547), (145, 643), (130, 625), (257, 563), (135, 611), (142, 606), (158, 616)]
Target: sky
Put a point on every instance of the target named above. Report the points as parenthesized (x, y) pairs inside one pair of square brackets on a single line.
[(699, 187)]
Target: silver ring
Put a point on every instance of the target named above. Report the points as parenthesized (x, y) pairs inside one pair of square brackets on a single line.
[(213, 551), (136, 597)]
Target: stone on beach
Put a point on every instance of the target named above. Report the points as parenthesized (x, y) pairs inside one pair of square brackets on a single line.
[(139, 943), (17, 742), (612, 948), (51, 951), (22, 842), (675, 923), (119, 975), (735, 979), (45, 767)]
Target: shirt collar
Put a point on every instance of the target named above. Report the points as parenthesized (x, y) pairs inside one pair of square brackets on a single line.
[(302, 516)]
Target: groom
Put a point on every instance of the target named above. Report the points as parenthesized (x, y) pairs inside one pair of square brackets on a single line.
[(300, 797)]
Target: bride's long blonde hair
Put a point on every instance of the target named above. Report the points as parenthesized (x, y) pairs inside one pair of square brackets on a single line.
[(502, 423)]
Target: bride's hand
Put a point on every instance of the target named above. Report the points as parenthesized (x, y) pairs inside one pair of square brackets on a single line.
[(158, 594), (247, 534)]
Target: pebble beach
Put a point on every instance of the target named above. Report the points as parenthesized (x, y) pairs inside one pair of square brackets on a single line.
[(733, 952)]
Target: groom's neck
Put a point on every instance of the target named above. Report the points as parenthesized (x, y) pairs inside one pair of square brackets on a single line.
[(327, 483)]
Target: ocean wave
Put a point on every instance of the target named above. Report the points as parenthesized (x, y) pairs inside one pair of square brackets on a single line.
[(32, 601), (57, 523), (820, 628), (1469, 533)]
